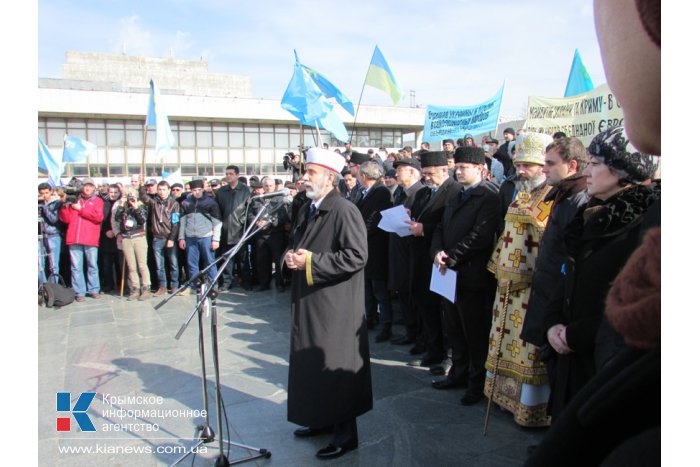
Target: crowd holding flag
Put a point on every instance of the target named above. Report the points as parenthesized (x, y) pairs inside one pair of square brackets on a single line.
[(579, 79), (307, 97)]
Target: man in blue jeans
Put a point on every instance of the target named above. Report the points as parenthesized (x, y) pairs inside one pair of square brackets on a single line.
[(50, 235), (163, 221), (200, 230), (84, 218)]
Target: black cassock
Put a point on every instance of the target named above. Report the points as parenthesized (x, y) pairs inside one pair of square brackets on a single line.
[(329, 369)]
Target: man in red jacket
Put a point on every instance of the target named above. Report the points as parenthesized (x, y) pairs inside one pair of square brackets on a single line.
[(84, 217)]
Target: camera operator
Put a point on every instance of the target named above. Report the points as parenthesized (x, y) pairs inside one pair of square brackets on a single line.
[(49, 232), (84, 217), (292, 162), (130, 223)]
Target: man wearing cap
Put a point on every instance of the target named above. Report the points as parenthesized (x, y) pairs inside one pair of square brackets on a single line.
[(356, 160), (200, 230), (408, 174), (390, 181), (426, 214), (503, 154), (375, 199), (329, 368), (521, 378), (84, 218), (232, 198), (463, 242), (495, 169), (269, 241), (448, 146)]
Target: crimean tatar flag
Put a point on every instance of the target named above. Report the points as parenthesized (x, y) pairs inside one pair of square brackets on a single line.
[(380, 76), (157, 118), (579, 79)]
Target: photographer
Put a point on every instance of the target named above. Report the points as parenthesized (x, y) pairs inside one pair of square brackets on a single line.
[(49, 233), (292, 162), (83, 216), (129, 223)]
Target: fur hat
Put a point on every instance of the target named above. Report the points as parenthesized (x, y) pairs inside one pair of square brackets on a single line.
[(470, 155), (530, 148), (613, 147), (358, 158), (196, 183), (433, 159)]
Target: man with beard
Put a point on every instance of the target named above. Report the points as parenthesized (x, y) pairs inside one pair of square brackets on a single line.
[(329, 369), (564, 162), (520, 377), (426, 214)]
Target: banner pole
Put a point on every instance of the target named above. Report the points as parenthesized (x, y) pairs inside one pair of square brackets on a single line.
[(357, 110)]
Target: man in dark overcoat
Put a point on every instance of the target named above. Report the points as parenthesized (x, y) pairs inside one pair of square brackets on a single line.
[(375, 198), (329, 369), (427, 212), (463, 242)]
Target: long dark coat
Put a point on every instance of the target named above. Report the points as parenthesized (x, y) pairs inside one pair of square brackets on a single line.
[(329, 368), (599, 241), (428, 210), (399, 247), (378, 199)]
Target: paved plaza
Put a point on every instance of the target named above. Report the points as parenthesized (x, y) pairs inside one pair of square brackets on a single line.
[(148, 384)]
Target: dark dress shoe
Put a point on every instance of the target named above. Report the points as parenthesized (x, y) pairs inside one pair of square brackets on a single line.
[(437, 370), (447, 383), (383, 336), (307, 432), (332, 451), (417, 349), (471, 397), (403, 340)]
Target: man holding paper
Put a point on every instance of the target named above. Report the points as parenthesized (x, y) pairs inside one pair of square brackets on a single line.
[(463, 241)]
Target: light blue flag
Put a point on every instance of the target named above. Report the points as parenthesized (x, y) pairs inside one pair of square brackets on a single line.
[(455, 122), (157, 118), (76, 149), (327, 88), (50, 164), (579, 79), (305, 100)]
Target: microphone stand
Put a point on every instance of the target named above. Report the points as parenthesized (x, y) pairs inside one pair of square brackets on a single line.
[(207, 294)]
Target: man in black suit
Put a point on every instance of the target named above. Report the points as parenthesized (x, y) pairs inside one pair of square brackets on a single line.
[(375, 197), (426, 215), (463, 242)]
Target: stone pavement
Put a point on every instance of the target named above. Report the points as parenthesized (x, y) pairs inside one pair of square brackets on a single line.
[(121, 349)]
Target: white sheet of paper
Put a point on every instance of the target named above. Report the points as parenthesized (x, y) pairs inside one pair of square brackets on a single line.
[(394, 220), (444, 285)]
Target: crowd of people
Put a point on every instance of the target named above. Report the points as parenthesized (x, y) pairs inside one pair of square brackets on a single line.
[(555, 246)]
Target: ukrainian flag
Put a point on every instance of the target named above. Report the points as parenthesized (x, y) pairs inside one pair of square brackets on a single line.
[(380, 76)]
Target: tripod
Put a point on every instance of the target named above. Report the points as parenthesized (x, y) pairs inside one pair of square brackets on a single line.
[(206, 301)]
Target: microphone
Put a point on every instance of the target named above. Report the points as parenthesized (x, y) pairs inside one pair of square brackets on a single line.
[(282, 192)]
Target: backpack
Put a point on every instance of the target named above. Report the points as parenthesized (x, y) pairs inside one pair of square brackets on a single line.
[(57, 295)]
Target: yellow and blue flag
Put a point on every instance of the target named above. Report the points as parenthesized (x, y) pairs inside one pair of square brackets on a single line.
[(380, 76), (157, 118), (50, 164), (306, 101), (76, 149), (579, 79)]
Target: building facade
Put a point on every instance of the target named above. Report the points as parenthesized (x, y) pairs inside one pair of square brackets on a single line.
[(214, 117)]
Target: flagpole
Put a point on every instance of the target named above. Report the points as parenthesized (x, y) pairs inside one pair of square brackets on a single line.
[(357, 111), (143, 154)]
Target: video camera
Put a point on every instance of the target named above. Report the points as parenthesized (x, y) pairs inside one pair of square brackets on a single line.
[(72, 190)]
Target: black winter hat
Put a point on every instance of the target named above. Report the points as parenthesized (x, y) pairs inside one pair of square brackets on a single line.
[(433, 159), (470, 155)]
